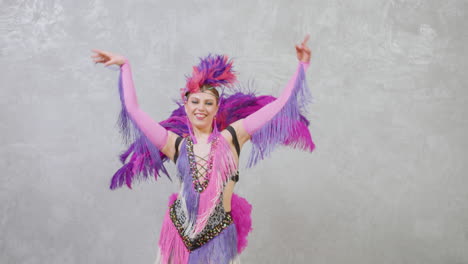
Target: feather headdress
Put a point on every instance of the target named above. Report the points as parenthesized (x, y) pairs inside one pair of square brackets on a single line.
[(212, 71)]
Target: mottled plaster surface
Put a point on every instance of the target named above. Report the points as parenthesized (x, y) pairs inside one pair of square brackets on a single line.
[(386, 184)]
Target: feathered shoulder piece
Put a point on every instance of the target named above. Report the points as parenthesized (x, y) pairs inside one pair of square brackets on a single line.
[(213, 71)]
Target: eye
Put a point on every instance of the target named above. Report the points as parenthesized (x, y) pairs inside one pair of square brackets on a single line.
[(194, 102), (209, 103)]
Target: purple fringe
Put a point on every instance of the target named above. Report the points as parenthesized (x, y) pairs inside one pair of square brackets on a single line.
[(150, 160), (288, 127), (220, 250), (124, 156), (191, 196)]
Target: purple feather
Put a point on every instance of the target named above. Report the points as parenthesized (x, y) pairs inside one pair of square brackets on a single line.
[(213, 70), (121, 175), (148, 157), (124, 156)]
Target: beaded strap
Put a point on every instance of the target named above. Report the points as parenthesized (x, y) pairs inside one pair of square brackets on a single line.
[(200, 179)]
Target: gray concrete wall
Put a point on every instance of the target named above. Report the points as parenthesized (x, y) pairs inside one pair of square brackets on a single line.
[(386, 184)]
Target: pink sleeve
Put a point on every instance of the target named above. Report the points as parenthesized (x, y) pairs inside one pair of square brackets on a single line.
[(255, 121), (150, 128)]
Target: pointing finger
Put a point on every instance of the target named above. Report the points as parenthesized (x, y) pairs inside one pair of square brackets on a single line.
[(96, 51), (101, 52), (306, 39)]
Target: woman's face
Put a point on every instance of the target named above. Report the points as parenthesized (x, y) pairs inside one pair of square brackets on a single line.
[(201, 108)]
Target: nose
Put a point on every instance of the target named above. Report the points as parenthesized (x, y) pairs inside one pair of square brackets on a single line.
[(201, 107)]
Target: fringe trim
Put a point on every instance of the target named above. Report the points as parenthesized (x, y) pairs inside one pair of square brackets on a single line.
[(146, 158), (171, 247), (190, 198), (287, 127), (220, 250)]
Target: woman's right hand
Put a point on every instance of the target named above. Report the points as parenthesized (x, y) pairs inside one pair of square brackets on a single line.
[(303, 51), (107, 58)]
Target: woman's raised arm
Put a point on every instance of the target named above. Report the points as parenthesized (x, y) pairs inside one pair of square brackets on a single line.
[(246, 127), (164, 140)]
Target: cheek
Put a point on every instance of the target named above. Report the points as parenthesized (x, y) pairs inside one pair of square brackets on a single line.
[(189, 108), (214, 110)]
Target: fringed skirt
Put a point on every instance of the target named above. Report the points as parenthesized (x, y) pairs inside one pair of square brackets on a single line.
[(220, 242)]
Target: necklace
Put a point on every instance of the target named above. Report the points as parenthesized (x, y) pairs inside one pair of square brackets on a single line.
[(200, 170)]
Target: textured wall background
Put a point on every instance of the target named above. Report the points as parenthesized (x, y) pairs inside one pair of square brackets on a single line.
[(386, 184)]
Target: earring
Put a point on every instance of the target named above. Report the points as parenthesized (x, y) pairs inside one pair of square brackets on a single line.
[(189, 126), (215, 128), (215, 132)]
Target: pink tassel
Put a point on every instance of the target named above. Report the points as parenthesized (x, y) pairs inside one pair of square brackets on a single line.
[(215, 133), (173, 249), (215, 127)]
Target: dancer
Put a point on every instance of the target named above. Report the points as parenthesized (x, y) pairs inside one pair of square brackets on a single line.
[(206, 222)]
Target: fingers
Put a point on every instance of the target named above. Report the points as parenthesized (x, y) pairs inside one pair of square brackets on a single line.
[(304, 42), (303, 51), (100, 52), (100, 60), (107, 58), (303, 46), (100, 56), (109, 62)]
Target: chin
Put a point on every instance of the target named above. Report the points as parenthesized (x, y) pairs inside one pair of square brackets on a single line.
[(201, 124)]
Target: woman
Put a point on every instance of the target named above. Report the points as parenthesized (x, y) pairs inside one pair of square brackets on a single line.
[(206, 222)]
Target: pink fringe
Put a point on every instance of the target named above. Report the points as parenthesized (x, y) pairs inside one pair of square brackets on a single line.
[(241, 214), (172, 247), (300, 137), (223, 166)]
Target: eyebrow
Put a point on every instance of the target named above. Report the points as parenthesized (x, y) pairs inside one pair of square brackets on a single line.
[(197, 98)]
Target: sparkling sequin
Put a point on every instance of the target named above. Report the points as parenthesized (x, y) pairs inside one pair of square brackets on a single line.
[(217, 222)]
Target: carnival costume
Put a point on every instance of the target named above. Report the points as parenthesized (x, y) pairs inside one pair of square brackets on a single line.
[(196, 228)]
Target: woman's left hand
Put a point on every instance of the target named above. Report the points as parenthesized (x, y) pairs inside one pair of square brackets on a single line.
[(303, 51), (107, 58)]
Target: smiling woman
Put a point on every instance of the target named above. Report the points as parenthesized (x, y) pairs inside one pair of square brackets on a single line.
[(201, 109), (206, 222)]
